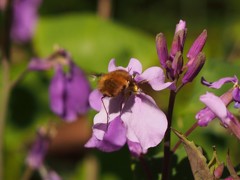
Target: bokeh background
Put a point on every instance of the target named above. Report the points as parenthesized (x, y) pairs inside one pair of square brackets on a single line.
[(94, 32)]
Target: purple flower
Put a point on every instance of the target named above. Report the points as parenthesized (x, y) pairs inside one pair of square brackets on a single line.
[(135, 119), (69, 91), (170, 62), (38, 150), (173, 62), (205, 115), (218, 84), (24, 19), (217, 106)]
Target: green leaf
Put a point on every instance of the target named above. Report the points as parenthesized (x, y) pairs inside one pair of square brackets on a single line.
[(197, 161), (93, 41)]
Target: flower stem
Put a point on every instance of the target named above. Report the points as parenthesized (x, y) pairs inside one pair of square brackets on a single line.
[(3, 108), (20, 77), (146, 168), (167, 140), (27, 173), (5, 89), (189, 131)]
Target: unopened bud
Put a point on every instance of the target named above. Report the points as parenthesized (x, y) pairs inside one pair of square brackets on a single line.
[(194, 68), (197, 47), (177, 64), (219, 171), (162, 50)]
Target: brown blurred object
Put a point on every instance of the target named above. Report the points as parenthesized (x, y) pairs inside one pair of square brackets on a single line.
[(104, 8), (3, 4), (70, 137)]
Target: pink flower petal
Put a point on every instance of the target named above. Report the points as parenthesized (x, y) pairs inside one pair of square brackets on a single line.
[(135, 148), (180, 26), (215, 104), (37, 64), (114, 137), (95, 100), (134, 66), (112, 65), (113, 108), (155, 77), (219, 83), (205, 116), (56, 91), (146, 123), (77, 92)]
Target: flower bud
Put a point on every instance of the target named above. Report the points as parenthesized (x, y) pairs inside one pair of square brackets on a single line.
[(179, 38), (219, 171), (177, 64), (162, 50), (194, 68), (197, 47), (39, 149)]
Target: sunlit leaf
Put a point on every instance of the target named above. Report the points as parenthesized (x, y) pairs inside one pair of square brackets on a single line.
[(93, 41)]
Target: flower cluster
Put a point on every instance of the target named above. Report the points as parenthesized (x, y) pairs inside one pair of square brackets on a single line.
[(25, 14), (173, 61), (135, 119), (37, 153), (217, 106), (68, 91)]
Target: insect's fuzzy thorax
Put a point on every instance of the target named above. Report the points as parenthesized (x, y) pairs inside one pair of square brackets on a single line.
[(116, 82)]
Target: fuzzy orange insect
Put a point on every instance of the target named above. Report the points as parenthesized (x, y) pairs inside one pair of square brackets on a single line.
[(115, 82)]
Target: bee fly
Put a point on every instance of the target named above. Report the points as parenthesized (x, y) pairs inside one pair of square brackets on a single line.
[(114, 83)]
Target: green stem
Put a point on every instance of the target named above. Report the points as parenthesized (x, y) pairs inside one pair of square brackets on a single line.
[(27, 173), (167, 140), (5, 65), (189, 131), (146, 168), (3, 108)]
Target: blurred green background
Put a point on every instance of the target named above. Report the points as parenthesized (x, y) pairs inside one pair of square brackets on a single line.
[(94, 36)]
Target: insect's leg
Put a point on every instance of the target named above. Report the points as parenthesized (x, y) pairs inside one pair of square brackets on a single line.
[(105, 111)]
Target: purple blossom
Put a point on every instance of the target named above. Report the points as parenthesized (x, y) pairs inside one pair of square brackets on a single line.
[(37, 153), (206, 115), (218, 84), (24, 19), (173, 61), (135, 120), (217, 106), (38, 150), (68, 91)]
